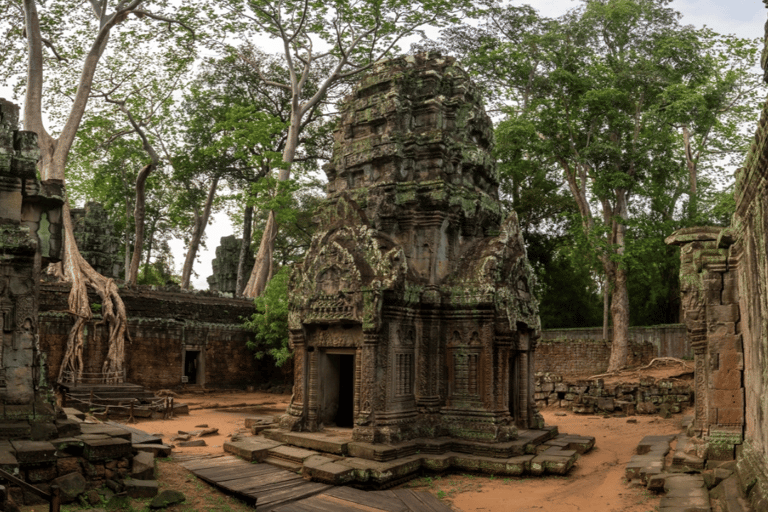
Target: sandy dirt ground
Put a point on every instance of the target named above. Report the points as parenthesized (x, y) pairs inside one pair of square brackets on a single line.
[(595, 484)]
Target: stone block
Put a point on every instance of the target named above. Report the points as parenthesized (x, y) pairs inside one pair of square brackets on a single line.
[(323, 469), (15, 430), (251, 450), (71, 485), (195, 443), (41, 474), (43, 431), (730, 416), (140, 488), (143, 466), (67, 428), (157, 450), (8, 461), (106, 430), (93, 471), (68, 465), (167, 498), (100, 449), (605, 404), (34, 452)]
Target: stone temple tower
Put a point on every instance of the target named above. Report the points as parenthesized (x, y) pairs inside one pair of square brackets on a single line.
[(412, 314)]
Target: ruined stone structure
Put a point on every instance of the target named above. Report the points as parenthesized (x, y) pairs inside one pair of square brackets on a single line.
[(224, 277), (30, 237), (174, 337), (724, 275), (96, 239), (412, 314)]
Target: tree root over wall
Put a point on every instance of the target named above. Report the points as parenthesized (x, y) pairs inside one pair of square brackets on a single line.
[(81, 274)]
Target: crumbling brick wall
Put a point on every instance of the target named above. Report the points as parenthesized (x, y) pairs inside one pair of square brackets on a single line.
[(668, 340), (584, 356), (160, 326)]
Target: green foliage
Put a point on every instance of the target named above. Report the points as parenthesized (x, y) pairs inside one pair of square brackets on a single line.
[(618, 106), (270, 322)]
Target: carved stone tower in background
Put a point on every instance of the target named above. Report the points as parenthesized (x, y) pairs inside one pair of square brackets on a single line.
[(412, 314)]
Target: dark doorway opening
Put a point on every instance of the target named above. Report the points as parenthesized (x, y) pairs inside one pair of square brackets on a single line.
[(514, 387), (191, 363), (345, 413)]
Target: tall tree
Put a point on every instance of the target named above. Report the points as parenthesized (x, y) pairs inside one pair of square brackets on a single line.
[(76, 37), (610, 94), (344, 37)]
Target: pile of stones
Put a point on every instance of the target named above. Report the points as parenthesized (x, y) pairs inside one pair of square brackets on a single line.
[(646, 396), (92, 463)]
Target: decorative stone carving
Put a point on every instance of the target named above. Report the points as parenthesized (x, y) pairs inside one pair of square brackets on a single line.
[(413, 273), (30, 236), (224, 277)]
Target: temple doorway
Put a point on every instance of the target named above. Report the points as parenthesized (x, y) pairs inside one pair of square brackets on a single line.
[(192, 366), (337, 386), (514, 386)]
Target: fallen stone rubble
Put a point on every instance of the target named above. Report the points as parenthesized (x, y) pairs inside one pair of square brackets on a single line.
[(686, 481), (646, 396)]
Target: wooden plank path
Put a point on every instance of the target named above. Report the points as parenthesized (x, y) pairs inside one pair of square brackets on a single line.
[(266, 487)]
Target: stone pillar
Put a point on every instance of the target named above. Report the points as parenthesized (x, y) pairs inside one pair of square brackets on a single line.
[(30, 236), (711, 315)]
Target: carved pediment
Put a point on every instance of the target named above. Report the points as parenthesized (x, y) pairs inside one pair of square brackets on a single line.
[(343, 262)]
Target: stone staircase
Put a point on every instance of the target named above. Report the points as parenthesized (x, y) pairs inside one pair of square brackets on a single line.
[(690, 483), (332, 457), (105, 394)]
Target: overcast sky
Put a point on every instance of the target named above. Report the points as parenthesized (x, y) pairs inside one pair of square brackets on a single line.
[(744, 18)]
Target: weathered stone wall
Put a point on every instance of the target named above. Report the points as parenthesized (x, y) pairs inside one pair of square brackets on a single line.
[(668, 340), (645, 396), (724, 282), (161, 325), (585, 356), (224, 277), (750, 254), (96, 239)]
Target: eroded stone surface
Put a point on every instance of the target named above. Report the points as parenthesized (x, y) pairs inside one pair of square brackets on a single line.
[(412, 314)]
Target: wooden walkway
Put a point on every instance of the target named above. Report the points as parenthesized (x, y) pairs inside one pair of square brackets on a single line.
[(269, 488)]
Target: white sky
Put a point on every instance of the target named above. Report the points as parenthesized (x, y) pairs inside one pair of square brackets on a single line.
[(745, 18)]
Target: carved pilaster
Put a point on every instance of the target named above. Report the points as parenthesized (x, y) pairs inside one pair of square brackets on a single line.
[(312, 405)]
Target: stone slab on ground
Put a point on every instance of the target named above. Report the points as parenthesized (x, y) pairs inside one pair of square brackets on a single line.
[(323, 469), (253, 449), (158, 450), (290, 453), (140, 488), (311, 441)]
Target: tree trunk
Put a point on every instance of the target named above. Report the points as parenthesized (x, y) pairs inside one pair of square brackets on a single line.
[(244, 248), (141, 181), (606, 305), (619, 293), (692, 175), (620, 317), (80, 273), (201, 221), (262, 268), (127, 267), (54, 153)]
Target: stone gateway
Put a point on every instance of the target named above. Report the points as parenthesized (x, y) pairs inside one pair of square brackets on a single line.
[(412, 314)]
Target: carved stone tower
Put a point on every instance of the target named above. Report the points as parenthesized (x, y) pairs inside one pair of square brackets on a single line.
[(411, 315)]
